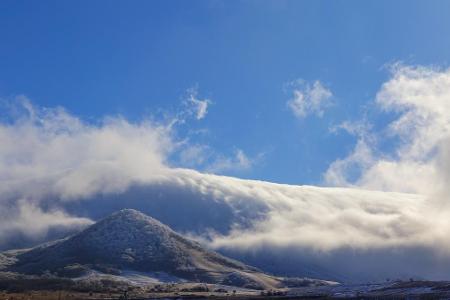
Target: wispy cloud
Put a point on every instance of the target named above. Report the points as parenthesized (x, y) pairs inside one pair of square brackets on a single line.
[(207, 159), (238, 162), (360, 128), (34, 223), (194, 156), (308, 98), (196, 106)]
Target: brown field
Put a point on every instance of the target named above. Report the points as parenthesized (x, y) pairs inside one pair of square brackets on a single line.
[(62, 295)]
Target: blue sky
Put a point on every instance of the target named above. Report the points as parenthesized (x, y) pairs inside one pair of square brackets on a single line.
[(137, 59)]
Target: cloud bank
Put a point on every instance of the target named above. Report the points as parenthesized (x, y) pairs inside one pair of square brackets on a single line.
[(51, 154), (26, 223), (51, 160)]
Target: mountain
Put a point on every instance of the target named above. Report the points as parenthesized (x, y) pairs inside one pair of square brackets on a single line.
[(128, 241)]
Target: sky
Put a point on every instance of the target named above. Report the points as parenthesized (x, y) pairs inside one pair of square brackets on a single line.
[(306, 126), (145, 58)]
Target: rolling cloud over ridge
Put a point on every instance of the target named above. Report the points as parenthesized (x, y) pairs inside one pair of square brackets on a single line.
[(50, 159)]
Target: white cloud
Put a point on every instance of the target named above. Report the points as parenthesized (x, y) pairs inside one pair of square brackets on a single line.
[(32, 221), (194, 155), (322, 219), (48, 153), (72, 159), (48, 156), (196, 106), (51, 154), (342, 171), (309, 99), (419, 97), (238, 162), (359, 128)]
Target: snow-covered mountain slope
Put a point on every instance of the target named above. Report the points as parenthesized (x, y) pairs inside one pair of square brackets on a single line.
[(130, 240)]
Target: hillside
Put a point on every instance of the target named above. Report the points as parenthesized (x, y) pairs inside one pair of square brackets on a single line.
[(128, 241)]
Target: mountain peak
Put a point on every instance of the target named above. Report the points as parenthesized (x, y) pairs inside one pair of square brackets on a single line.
[(131, 240), (129, 212), (126, 220)]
